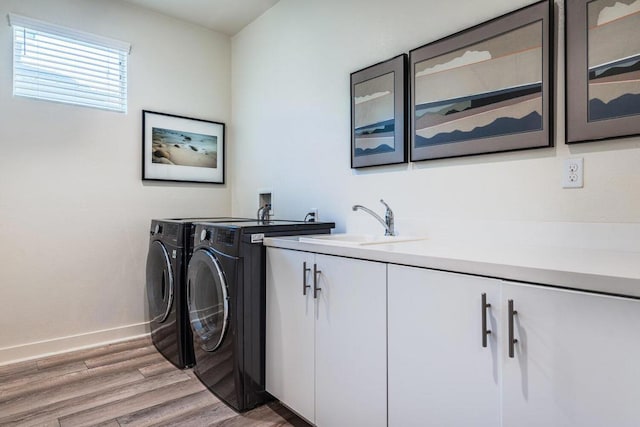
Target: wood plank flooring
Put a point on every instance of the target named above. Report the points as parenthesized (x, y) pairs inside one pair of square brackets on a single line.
[(122, 384)]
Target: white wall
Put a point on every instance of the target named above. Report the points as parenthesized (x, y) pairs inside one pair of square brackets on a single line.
[(291, 121), (74, 213)]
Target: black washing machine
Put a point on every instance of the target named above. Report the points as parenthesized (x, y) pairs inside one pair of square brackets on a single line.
[(170, 246), (226, 302)]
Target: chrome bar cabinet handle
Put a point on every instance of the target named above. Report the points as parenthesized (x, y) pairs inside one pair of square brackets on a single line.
[(316, 288), (485, 331), (305, 270), (512, 340)]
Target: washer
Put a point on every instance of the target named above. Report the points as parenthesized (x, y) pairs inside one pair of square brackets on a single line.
[(170, 246), (226, 303)]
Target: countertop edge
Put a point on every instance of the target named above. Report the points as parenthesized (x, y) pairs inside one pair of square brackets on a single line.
[(575, 280)]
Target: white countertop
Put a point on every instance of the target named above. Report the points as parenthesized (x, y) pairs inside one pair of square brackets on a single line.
[(613, 272)]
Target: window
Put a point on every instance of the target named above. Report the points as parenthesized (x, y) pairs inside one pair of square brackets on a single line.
[(64, 65)]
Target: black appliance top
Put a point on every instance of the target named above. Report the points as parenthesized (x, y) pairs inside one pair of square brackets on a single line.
[(228, 237), (275, 225), (204, 219)]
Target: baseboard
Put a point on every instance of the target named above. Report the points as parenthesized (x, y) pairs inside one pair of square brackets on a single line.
[(36, 350)]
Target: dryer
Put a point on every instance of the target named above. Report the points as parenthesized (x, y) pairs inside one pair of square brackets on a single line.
[(226, 299), (170, 246)]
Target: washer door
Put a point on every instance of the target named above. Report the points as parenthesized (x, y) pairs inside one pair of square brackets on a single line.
[(208, 300), (160, 283)]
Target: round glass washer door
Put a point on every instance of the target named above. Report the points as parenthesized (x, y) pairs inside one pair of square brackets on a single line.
[(208, 299), (160, 284)]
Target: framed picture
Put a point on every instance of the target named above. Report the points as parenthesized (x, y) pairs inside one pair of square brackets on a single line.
[(485, 89), (603, 69), (176, 148), (378, 119)]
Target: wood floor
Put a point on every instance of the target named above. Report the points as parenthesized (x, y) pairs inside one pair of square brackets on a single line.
[(123, 384)]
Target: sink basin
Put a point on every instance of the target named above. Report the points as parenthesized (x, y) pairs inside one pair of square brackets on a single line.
[(356, 239)]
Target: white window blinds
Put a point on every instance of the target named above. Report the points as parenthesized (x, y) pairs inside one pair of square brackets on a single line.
[(64, 65)]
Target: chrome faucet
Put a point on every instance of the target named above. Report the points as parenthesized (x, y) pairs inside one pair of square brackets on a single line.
[(387, 222), (263, 213)]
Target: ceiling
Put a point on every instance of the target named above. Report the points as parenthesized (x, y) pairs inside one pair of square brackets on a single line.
[(225, 16)]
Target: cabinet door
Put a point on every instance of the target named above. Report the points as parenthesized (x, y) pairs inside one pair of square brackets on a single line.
[(575, 362), (439, 372), (351, 344), (289, 370)]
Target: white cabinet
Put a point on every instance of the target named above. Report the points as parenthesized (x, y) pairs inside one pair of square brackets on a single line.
[(290, 331), (575, 354), (576, 359), (439, 372), (326, 356), (351, 343)]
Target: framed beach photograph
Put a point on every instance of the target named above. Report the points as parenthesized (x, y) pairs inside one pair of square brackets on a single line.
[(603, 69), (485, 89), (176, 148), (378, 116)]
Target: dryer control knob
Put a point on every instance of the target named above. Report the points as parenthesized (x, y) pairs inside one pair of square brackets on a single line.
[(158, 229), (205, 235)]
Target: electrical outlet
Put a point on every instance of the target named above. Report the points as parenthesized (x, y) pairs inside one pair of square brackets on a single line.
[(573, 173)]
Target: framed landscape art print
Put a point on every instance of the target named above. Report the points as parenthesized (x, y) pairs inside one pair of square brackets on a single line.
[(603, 69), (378, 119), (176, 148), (485, 89)]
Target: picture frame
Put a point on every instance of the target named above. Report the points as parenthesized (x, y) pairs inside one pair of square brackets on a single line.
[(182, 149), (602, 73), (486, 89), (378, 114)]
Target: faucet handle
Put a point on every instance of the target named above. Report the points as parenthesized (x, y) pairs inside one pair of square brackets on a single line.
[(388, 219), (386, 205)]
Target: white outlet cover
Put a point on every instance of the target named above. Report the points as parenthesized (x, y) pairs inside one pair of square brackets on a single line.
[(573, 173)]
